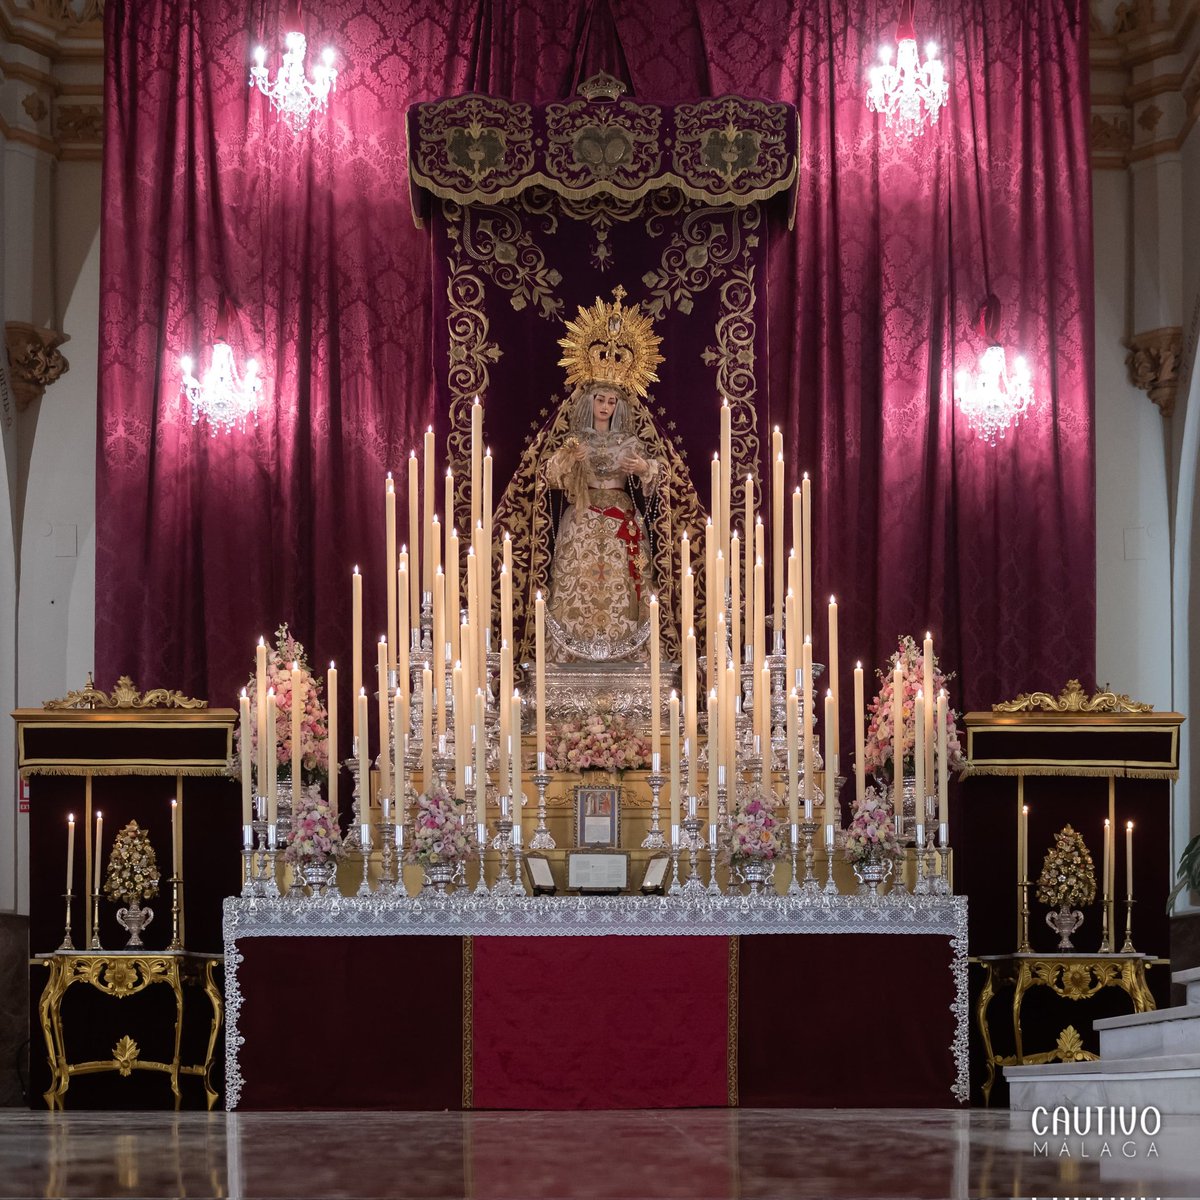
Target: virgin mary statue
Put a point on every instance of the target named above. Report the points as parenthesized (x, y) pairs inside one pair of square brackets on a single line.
[(600, 501)]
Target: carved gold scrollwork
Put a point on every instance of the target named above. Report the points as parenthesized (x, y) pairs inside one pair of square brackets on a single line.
[(1073, 698), (468, 139), (124, 695), (125, 1055)]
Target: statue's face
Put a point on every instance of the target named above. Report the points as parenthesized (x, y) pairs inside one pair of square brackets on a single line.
[(604, 404)]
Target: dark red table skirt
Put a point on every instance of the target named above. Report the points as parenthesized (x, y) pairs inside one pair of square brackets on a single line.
[(788, 1020)]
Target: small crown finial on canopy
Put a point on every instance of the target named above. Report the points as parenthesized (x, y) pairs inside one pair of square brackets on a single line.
[(611, 343), (602, 86)]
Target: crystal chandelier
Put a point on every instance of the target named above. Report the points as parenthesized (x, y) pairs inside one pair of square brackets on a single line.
[(906, 92), (994, 399), (223, 397), (291, 94)]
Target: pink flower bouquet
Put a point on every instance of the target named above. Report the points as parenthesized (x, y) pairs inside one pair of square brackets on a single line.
[(315, 835), (753, 827), (440, 836), (598, 742), (871, 832)]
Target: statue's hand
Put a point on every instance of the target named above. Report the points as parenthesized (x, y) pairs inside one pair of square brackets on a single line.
[(635, 464)]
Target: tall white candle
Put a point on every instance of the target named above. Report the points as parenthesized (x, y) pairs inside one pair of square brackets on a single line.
[(777, 559), (383, 695), (476, 462), (364, 775), (793, 762), (99, 851), (260, 682), (898, 744), (296, 732), (735, 601), (726, 471), (427, 543), (655, 697), (71, 852), (714, 754), (831, 805), (919, 752), (402, 625), (943, 766), (518, 790), (272, 757), (690, 708), (247, 789), (453, 613), (486, 576), (1106, 894), (539, 622), (331, 709), (389, 520), (426, 729), (400, 725), (833, 733), (356, 638), (176, 854), (1129, 860), (809, 719), (480, 758), (860, 736), (930, 704), (438, 661), (748, 538), (673, 736), (414, 545), (806, 533)]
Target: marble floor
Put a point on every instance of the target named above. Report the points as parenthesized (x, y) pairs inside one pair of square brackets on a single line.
[(690, 1155)]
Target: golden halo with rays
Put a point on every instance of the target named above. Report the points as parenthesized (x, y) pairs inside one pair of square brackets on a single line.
[(611, 343)]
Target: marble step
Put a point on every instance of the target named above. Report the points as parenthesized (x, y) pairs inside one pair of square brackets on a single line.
[(1162, 1031), (1191, 980), (1170, 1083)]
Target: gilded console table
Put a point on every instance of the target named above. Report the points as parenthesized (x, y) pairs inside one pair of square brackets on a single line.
[(120, 975), (1072, 976)]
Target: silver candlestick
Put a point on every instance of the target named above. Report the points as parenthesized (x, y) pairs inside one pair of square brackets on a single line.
[(694, 843), (542, 839), (259, 827), (364, 841), (831, 888), (387, 838), (273, 859), (350, 841), (676, 887), (247, 861), (503, 842), (943, 887), (654, 840), (714, 838), (481, 887)]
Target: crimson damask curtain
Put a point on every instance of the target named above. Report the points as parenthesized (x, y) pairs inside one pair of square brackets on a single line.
[(203, 543)]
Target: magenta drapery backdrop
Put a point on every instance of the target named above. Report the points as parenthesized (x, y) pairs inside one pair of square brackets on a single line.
[(203, 543)]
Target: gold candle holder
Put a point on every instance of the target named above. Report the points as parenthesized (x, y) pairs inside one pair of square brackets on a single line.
[(1107, 926), (1023, 888), (176, 911), (94, 941), (1127, 948), (67, 943)]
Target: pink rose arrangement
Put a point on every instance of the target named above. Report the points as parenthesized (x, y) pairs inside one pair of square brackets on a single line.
[(315, 835), (910, 657), (597, 742), (871, 831), (440, 836), (314, 727), (753, 827)]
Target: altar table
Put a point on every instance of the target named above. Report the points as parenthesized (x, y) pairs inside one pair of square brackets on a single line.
[(594, 1002)]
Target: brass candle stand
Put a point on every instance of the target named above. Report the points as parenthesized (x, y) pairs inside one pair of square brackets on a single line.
[(67, 944), (1107, 922), (1023, 888), (176, 883), (1127, 948), (94, 940)]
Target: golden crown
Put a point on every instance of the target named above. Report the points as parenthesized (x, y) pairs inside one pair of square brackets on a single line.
[(611, 343)]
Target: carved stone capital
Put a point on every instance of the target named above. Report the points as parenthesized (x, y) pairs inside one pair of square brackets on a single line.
[(34, 359), (1153, 362)]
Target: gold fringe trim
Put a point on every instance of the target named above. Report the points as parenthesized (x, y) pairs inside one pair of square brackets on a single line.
[(165, 770), (537, 179), (468, 1036), (1078, 770), (731, 1064)]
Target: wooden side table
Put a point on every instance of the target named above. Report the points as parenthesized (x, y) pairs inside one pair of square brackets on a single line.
[(1072, 976), (119, 975)]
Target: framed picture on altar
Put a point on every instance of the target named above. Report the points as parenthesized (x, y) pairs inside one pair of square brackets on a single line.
[(654, 881), (541, 878), (597, 816)]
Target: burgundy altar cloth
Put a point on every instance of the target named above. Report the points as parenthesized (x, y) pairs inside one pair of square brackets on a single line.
[(564, 1022)]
